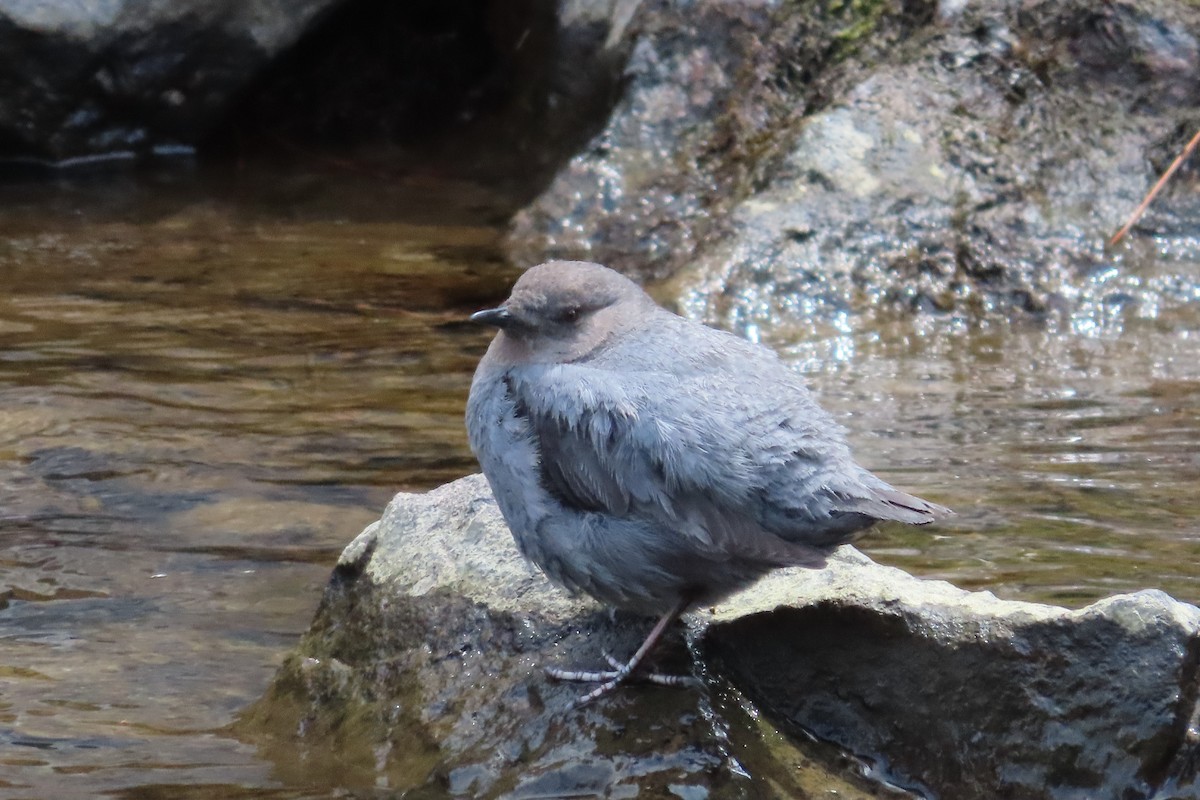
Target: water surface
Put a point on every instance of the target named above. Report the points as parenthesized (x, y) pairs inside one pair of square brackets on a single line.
[(210, 383)]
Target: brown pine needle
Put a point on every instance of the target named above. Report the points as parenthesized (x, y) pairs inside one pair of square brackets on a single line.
[(1166, 176)]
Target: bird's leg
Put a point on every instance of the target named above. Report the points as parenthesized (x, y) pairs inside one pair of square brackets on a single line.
[(622, 672)]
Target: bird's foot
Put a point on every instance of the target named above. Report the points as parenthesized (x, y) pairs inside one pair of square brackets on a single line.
[(649, 677), (610, 679)]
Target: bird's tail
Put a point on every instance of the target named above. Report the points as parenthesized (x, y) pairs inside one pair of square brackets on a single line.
[(876, 499), (897, 505)]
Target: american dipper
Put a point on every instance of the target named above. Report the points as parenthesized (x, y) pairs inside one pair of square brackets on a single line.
[(653, 462)]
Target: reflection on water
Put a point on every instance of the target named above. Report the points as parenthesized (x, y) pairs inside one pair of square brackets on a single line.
[(208, 386)]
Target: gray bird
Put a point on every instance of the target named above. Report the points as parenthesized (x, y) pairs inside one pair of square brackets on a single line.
[(652, 462)]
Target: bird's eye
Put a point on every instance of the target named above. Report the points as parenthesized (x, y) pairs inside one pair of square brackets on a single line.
[(569, 314)]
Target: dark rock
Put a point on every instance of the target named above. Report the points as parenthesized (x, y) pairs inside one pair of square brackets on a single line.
[(493, 88), (422, 673), (130, 76), (501, 90)]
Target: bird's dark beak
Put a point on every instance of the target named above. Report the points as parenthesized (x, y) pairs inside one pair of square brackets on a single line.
[(497, 317)]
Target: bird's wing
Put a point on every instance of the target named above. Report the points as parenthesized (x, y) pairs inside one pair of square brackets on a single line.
[(651, 444)]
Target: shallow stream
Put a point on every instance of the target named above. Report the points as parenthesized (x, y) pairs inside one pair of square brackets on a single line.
[(209, 383)]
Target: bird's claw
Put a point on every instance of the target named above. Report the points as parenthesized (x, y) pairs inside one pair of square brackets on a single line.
[(610, 679)]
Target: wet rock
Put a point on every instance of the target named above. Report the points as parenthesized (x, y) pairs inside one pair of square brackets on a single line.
[(967, 696), (130, 76), (785, 163), (422, 673)]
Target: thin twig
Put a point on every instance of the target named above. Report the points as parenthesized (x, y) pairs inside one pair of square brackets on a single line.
[(1166, 176)]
